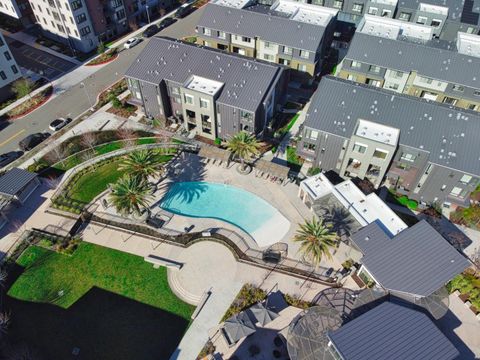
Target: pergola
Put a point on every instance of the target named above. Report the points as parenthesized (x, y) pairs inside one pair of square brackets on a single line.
[(214, 153), (271, 170)]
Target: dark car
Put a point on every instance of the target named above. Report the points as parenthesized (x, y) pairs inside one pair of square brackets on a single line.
[(32, 140), (9, 157), (183, 10), (166, 23), (150, 31)]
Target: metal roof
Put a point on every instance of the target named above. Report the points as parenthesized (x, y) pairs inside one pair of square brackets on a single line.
[(268, 27), (246, 81), (338, 104), (428, 60), (391, 331), (15, 180), (458, 10), (416, 261)]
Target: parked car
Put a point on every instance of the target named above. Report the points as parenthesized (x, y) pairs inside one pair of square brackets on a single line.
[(166, 23), (131, 42), (183, 10), (150, 31), (59, 123), (9, 157), (32, 140), (329, 272)]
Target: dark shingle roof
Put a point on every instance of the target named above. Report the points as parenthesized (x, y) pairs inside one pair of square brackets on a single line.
[(15, 180), (338, 104), (252, 24), (246, 81), (430, 61), (416, 261), (391, 331)]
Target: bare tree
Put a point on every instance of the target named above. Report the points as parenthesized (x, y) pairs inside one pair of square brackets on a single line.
[(3, 277), (89, 139), (88, 154), (52, 182), (162, 12), (4, 322), (57, 154), (127, 135)]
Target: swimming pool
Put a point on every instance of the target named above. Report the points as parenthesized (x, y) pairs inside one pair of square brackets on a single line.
[(241, 208)]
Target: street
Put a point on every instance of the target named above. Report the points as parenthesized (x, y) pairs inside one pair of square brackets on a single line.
[(75, 100)]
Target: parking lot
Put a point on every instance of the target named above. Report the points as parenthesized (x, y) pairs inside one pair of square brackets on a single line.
[(38, 61)]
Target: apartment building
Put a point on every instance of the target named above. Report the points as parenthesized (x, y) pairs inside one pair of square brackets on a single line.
[(212, 93), (448, 16), (9, 69), (422, 149), (405, 58), (17, 9), (289, 33)]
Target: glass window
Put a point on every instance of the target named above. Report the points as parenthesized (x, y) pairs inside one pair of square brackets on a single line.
[(476, 92), (302, 67), (356, 64), (309, 147), (189, 99), (76, 4), (204, 103), (357, 8), (337, 4), (466, 179), (85, 30), (175, 91), (422, 20), (360, 148), (246, 39), (2, 75), (351, 77), (472, 107), (373, 11), (304, 54), (268, 57), (375, 69), (449, 100), (436, 23), (221, 34), (266, 44), (81, 18), (7, 55), (408, 157), (380, 154), (405, 16), (287, 50), (458, 88), (207, 31), (456, 191)]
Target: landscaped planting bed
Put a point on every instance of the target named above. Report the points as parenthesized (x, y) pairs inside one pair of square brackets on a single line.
[(104, 58), (30, 104)]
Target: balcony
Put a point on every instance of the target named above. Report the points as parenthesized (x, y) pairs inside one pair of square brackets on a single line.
[(353, 167)]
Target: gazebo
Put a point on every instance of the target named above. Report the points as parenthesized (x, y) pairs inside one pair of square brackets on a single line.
[(216, 155), (237, 327), (262, 313), (271, 170)]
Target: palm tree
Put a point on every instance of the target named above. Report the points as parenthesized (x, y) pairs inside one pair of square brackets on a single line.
[(143, 164), (243, 145), (315, 239), (131, 194)]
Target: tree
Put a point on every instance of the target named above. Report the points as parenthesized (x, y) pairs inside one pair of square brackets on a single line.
[(142, 164), (131, 194), (89, 139), (22, 87), (101, 48), (243, 145), (128, 135), (116, 103), (162, 12), (315, 239), (4, 322)]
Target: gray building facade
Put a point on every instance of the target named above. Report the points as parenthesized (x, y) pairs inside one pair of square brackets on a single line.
[(358, 130), (213, 94)]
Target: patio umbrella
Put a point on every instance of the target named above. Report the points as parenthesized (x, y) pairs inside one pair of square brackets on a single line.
[(238, 326), (262, 313)]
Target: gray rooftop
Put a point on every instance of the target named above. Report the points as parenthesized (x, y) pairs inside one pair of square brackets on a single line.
[(394, 332), (277, 29), (338, 104), (458, 10), (246, 81), (15, 180), (416, 261), (428, 60)]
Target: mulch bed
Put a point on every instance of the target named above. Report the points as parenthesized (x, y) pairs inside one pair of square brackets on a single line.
[(46, 94), (100, 61), (124, 112)]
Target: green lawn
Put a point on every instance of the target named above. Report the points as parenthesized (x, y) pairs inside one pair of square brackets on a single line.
[(47, 272), (106, 148)]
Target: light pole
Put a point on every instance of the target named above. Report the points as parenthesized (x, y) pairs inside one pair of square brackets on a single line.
[(82, 85), (148, 14)]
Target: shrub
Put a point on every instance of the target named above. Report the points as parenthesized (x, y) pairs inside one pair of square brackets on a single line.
[(295, 301), (218, 141), (101, 48), (313, 171)]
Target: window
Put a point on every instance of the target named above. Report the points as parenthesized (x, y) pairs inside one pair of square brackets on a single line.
[(357, 8), (66, 6), (76, 4), (120, 14), (422, 20), (436, 23), (81, 18), (189, 99), (476, 92), (374, 69), (221, 34), (397, 74), (61, 28), (302, 67), (245, 115), (449, 100), (472, 107), (68, 30), (85, 30), (352, 77), (267, 45), (309, 147), (304, 54), (76, 32), (2, 75), (372, 82), (466, 179), (393, 86), (7, 55), (408, 157), (246, 39), (386, 13), (360, 148), (356, 64), (405, 16), (458, 88), (205, 104), (470, 30), (337, 4), (456, 191), (311, 134), (380, 154), (268, 57), (287, 50), (284, 62), (207, 31), (175, 91), (373, 11), (55, 16)]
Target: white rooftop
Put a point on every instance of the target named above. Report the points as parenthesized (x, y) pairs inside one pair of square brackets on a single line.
[(468, 44), (433, 9), (307, 13), (393, 28), (364, 208), (238, 4), (203, 85), (377, 132), (386, 2)]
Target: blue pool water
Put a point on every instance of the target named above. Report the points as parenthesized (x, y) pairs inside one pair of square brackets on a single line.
[(218, 201)]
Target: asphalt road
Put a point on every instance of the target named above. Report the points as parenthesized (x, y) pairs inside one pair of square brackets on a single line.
[(38, 61), (75, 101)]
